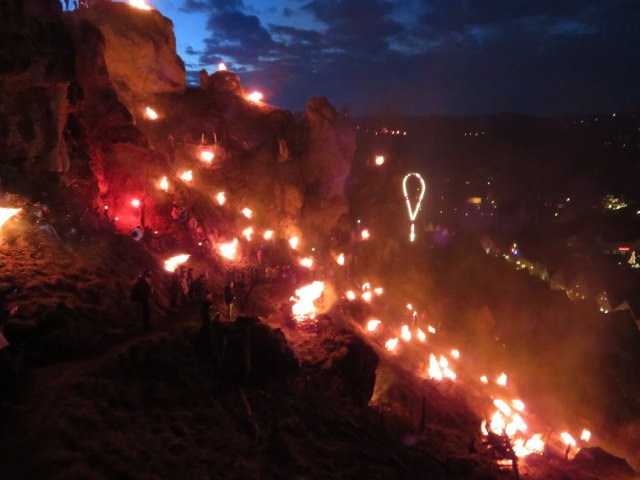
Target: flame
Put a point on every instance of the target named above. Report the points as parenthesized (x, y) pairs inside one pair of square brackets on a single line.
[(247, 212), (164, 184), (497, 423), (268, 234), (365, 234), (378, 291), (434, 369), (229, 250), (586, 435), (307, 262), (221, 198), (567, 439), (351, 295), (222, 67), (366, 286), (150, 113), (430, 329), (254, 97), (502, 380), (172, 263), (391, 344), (293, 242), (207, 156), (135, 203), (535, 444), (373, 324), (187, 175), (379, 160), (247, 232), (366, 296), (484, 379), (6, 214), (518, 405), (455, 354), (409, 307), (303, 306), (405, 333), (502, 406), (340, 259), (421, 335)]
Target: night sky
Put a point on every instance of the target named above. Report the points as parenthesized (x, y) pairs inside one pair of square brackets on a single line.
[(421, 56)]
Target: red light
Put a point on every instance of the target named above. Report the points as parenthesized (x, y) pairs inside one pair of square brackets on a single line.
[(624, 249), (135, 202)]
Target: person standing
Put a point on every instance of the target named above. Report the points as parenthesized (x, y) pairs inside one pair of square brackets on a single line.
[(142, 294), (228, 297)]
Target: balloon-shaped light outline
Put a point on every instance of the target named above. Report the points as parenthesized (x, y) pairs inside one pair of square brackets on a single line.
[(413, 214)]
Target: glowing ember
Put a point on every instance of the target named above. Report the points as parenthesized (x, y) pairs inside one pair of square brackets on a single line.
[(187, 176), (518, 405), (135, 203), (365, 234), (391, 344), (164, 184), (502, 406), (303, 307), (421, 335), (6, 214), (351, 295), (378, 291), (379, 160), (405, 333), (455, 354), (586, 435), (484, 379), (150, 114), (221, 198), (221, 67), (293, 242), (533, 445), (307, 262), (567, 439), (207, 156), (502, 380), (247, 232), (430, 329), (229, 250), (172, 263), (366, 296), (340, 259), (268, 234), (372, 325), (247, 212), (254, 97)]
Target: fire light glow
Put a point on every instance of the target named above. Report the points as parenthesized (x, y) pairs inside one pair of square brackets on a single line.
[(350, 295), (222, 67), (586, 435), (372, 325), (247, 212), (455, 354), (413, 212), (502, 380), (365, 234), (484, 379), (6, 214), (164, 184), (229, 250), (379, 160), (221, 198), (254, 97), (293, 242), (150, 114), (172, 263), (307, 262), (367, 296), (135, 203), (405, 333), (268, 235), (421, 335), (567, 439), (186, 176), (247, 233), (340, 259), (141, 5), (207, 156), (391, 344), (303, 307)]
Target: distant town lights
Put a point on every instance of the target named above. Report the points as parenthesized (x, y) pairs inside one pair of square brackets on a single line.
[(413, 212)]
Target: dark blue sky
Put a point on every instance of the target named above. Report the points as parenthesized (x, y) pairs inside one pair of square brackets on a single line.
[(421, 56)]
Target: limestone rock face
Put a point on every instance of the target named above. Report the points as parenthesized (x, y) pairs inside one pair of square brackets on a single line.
[(36, 64), (326, 141), (140, 52)]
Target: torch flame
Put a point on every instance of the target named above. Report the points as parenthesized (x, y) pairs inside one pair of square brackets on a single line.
[(135, 203), (187, 175), (502, 380), (365, 234), (6, 214), (455, 354), (307, 262), (366, 296), (366, 286), (502, 406), (293, 242), (421, 335), (409, 307), (303, 306), (350, 295), (254, 97), (247, 232), (221, 198), (207, 156), (434, 368), (373, 324), (378, 291), (340, 259), (164, 184), (247, 212), (484, 379), (391, 344), (229, 250), (140, 4), (405, 333), (430, 329), (567, 439), (379, 160), (268, 235), (172, 263), (150, 113), (586, 435), (518, 405)]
